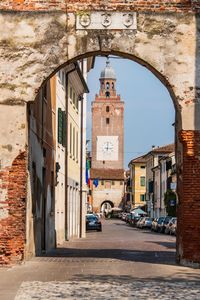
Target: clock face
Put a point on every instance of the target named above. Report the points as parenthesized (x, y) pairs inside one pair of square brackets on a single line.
[(108, 147)]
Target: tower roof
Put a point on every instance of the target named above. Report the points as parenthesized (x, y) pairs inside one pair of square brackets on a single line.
[(108, 72)]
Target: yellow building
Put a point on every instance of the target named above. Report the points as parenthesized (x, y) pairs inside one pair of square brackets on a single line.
[(137, 168)]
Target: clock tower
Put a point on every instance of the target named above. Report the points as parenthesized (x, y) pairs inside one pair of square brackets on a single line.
[(107, 142)]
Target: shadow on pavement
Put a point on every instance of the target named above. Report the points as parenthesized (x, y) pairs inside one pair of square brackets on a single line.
[(169, 245), (179, 277), (155, 257)]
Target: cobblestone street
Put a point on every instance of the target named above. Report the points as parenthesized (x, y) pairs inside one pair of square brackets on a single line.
[(119, 263)]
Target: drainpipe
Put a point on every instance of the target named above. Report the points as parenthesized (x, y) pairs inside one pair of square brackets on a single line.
[(66, 151), (81, 168)]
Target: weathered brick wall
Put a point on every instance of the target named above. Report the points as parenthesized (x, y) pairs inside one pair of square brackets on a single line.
[(12, 211), (188, 235), (74, 5)]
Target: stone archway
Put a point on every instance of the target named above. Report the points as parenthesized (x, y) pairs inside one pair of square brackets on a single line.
[(37, 44), (106, 207)]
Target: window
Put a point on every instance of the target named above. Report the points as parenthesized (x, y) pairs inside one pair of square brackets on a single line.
[(102, 182), (74, 97), (76, 101), (113, 183), (142, 180), (63, 78), (60, 126), (107, 184), (107, 94), (74, 142), (151, 187), (70, 93), (113, 86), (77, 146), (142, 198), (107, 120), (70, 144), (142, 167), (107, 85), (64, 131), (107, 108), (121, 182)]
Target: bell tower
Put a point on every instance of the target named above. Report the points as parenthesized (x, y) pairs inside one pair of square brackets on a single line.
[(108, 135), (107, 124), (107, 85)]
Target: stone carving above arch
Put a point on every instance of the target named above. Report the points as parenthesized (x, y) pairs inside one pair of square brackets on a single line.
[(85, 20), (106, 19), (128, 19)]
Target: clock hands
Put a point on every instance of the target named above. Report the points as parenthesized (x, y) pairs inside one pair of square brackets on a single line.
[(108, 147)]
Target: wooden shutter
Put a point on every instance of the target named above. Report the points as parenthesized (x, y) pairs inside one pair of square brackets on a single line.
[(64, 131), (60, 125)]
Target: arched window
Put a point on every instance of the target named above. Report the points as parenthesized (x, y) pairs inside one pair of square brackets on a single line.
[(107, 85), (113, 86), (107, 94), (107, 108)]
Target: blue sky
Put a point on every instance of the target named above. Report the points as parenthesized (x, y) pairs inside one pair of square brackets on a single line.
[(149, 111)]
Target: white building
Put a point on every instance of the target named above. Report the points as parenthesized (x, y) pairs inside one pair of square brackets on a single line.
[(71, 192), (153, 179)]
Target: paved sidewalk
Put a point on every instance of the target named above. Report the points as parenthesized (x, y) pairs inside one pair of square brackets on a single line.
[(119, 263)]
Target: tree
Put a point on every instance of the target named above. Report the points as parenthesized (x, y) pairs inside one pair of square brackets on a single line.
[(170, 203)]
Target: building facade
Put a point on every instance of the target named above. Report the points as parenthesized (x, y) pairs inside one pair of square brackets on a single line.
[(153, 180), (56, 118), (137, 168), (107, 172), (40, 219)]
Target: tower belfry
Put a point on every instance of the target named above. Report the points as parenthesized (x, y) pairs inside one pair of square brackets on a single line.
[(108, 139), (108, 81)]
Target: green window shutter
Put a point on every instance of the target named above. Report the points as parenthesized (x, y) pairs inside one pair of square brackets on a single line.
[(64, 129), (60, 122), (142, 181)]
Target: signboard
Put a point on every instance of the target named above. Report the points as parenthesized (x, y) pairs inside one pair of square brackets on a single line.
[(172, 202), (173, 186)]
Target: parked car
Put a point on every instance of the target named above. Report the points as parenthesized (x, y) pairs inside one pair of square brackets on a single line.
[(162, 225), (120, 215), (93, 222), (128, 218), (114, 213), (168, 226), (154, 224), (159, 224), (173, 227), (140, 222), (134, 220), (123, 216), (146, 222)]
